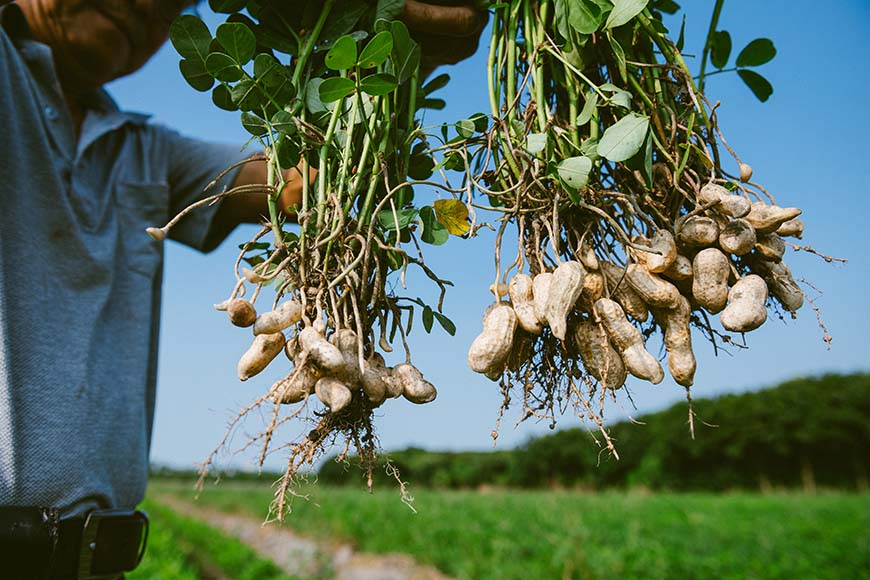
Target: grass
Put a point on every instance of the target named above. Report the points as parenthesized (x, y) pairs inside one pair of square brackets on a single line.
[(180, 548), (514, 534)]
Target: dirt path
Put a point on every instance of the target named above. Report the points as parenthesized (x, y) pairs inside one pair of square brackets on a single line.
[(304, 557)]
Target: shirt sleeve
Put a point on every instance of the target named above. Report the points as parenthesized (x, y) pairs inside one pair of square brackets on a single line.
[(193, 164)]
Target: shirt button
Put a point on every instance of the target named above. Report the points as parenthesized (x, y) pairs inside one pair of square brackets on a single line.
[(51, 113)]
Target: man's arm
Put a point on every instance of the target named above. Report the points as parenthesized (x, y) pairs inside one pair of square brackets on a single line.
[(252, 207)]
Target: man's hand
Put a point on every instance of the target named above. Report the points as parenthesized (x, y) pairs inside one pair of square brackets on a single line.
[(251, 207), (447, 30)]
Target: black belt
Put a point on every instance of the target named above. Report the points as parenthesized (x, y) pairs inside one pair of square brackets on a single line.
[(36, 543)]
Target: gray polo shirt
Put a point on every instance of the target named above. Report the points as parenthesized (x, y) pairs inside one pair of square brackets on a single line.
[(80, 281)]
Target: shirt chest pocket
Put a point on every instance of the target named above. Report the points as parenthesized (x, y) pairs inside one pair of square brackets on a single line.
[(139, 206)]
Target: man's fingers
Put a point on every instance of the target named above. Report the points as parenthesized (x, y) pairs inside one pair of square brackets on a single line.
[(442, 20)]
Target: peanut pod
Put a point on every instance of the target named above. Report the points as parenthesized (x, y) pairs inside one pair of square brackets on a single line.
[(490, 349), (242, 313), (333, 393), (621, 291), (665, 252), (540, 294), (286, 315), (697, 231), (652, 289), (323, 355), (770, 247), (793, 228), (628, 341), (262, 351), (565, 289), (711, 270), (523, 301), (678, 341), (731, 204), (414, 387), (766, 219), (599, 357), (747, 305), (782, 285), (737, 238), (294, 387)]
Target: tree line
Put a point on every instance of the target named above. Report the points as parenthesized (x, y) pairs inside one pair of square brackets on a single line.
[(806, 433)]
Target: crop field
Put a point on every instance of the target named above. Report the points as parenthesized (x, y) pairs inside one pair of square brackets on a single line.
[(562, 534), (181, 548)]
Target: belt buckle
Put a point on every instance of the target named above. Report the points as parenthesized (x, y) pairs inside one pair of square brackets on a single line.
[(98, 520)]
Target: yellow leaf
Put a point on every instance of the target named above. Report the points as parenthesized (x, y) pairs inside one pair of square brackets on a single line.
[(453, 215)]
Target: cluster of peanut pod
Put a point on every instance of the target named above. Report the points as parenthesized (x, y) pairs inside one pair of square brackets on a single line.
[(725, 258), (334, 368)]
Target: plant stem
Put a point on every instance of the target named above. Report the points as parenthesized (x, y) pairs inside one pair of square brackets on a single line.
[(708, 44), (310, 41)]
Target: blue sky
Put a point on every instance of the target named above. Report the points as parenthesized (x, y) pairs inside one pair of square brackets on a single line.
[(807, 145)]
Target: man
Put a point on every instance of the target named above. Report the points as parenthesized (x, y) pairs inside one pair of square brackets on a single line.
[(80, 283)]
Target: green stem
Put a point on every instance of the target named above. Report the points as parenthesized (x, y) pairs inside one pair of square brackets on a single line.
[(311, 40), (324, 153), (708, 45)]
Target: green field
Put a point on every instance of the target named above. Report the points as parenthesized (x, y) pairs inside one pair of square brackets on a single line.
[(514, 534), (180, 548)]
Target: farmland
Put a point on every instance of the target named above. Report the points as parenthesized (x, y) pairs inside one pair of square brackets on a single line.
[(566, 534)]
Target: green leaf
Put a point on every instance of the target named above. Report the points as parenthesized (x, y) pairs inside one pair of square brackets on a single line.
[(283, 122), (238, 40), (428, 318), (222, 67), (377, 50), (681, 41), (648, 161), (625, 138), (227, 6), (196, 75), (589, 108), (589, 148), (480, 120), (536, 142), (254, 124), (222, 99), (269, 71), (405, 68), (720, 48), (246, 95), (584, 16), (387, 220), (574, 171), (453, 215), (271, 39), (342, 55), (389, 9), (190, 37), (619, 53), (378, 84), (287, 152), (335, 88), (465, 128), (445, 323), (435, 84), (434, 104), (312, 96), (433, 232), (420, 167), (759, 85), (756, 53), (623, 11)]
